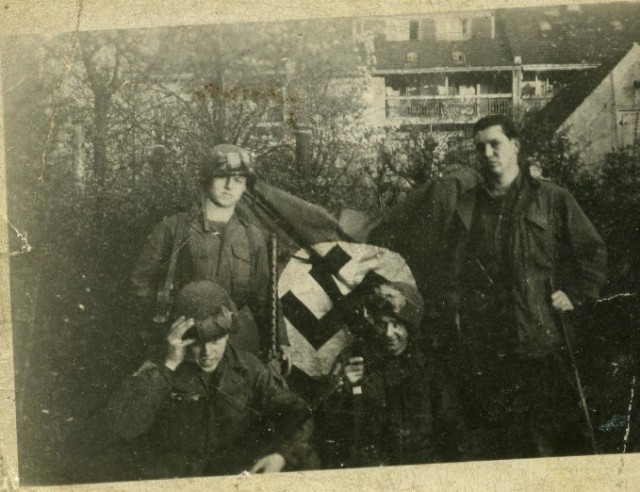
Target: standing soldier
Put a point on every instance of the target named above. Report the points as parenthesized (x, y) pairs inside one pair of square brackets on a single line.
[(520, 256), (212, 243)]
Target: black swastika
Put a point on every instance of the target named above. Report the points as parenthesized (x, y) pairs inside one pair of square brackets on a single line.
[(323, 271), (319, 331)]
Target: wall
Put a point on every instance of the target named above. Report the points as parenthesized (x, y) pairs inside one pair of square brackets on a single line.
[(595, 127), (442, 27), (374, 97)]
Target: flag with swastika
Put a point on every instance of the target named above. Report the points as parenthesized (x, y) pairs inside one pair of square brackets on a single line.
[(316, 289)]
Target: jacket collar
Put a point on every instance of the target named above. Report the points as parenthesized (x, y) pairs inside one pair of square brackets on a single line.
[(233, 359), (467, 202), (200, 223)]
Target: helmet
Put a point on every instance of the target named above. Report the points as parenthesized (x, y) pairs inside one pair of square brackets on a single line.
[(210, 306), (399, 300), (226, 160)]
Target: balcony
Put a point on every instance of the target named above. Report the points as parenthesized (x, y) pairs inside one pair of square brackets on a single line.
[(445, 109)]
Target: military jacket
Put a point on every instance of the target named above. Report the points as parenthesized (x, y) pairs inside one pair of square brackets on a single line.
[(236, 258), (552, 246), (197, 427)]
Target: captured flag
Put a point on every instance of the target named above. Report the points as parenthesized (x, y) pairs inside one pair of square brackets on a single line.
[(296, 222), (317, 291)]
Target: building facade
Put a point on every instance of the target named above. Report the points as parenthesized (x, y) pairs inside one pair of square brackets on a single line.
[(444, 71)]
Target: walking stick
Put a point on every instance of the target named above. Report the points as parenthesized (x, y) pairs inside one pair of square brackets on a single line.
[(576, 374)]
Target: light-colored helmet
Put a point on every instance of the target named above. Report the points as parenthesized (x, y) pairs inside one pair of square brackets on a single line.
[(227, 160)]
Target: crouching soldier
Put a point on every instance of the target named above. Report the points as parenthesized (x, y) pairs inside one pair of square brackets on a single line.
[(207, 408), (392, 406)]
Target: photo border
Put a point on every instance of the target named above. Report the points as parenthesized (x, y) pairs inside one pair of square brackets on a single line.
[(604, 472)]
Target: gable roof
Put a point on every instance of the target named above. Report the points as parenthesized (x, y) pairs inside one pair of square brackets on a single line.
[(563, 104), (550, 35), (565, 34), (481, 52)]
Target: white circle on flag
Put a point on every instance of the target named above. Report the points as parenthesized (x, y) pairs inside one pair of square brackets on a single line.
[(297, 281)]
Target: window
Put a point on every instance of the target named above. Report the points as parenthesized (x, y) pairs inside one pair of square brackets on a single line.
[(414, 27), (630, 123), (458, 56)]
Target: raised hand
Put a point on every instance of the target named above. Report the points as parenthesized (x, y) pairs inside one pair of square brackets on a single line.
[(176, 346), (354, 370)]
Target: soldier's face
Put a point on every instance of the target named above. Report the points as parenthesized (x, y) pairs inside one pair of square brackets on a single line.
[(226, 191), (497, 153), (209, 354), (392, 334)]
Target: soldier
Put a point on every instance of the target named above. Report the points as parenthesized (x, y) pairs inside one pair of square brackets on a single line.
[(212, 243), (207, 408), (520, 255), (392, 404)]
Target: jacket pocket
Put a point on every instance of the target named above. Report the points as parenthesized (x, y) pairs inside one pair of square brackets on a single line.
[(199, 248), (241, 270), (184, 422), (539, 240), (241, 251), (237, 397), (234, 415)]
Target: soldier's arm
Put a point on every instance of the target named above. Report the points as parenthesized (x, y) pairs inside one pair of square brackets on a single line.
[(587, 251), (133, 407), (151, 267)]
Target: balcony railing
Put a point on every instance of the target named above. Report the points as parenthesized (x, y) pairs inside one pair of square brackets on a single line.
[(450, 109)]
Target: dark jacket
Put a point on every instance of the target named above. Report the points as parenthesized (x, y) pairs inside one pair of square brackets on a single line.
[(236, 259), (223, 426), (427, 213), (552, 246), (407, 413)]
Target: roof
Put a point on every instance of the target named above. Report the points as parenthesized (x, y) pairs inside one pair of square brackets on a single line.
[(563, 35), (563, 105), (550, 35), (392, 55)]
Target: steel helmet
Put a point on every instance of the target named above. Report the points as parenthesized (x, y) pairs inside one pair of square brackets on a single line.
[(227, 160)]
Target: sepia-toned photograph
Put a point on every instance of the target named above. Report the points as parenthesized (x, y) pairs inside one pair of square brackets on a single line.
[(320, 244)]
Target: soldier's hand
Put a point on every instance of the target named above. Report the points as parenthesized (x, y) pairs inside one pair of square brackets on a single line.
[(176, 346), (354, 370), (285, 352), (272, 463), (561, 302)]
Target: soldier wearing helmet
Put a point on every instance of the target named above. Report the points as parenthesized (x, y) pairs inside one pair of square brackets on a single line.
[(392, 405), (207, 408), (212, 243), (224, 161)]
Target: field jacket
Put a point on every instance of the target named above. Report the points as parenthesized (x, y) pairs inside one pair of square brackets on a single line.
[(552, 246), (222, 426), (236, 259), (407, 412)]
